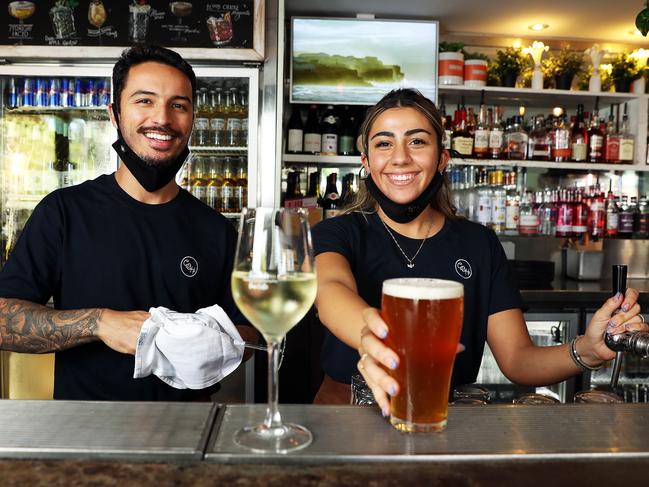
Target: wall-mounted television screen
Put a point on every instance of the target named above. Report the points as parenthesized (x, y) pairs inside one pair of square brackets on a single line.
[(357, 61)]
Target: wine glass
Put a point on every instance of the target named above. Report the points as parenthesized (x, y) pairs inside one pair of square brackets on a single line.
[(274, 285), (21, 10), (97, 16)]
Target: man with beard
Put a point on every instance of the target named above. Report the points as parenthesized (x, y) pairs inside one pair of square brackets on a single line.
[(110, 248)]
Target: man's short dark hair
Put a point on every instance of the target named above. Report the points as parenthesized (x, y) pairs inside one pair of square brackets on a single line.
[(145, 53)]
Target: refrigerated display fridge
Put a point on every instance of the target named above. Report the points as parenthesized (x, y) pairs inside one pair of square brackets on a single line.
[(55, 132)]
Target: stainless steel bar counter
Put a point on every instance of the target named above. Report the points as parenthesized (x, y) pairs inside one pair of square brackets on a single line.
[(73, 443)]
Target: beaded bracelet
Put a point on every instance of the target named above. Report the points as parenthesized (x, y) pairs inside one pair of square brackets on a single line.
[(577, 359)]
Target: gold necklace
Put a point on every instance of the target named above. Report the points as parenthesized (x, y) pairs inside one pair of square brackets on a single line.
[(411, 261)]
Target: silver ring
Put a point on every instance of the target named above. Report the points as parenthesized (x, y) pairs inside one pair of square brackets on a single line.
[(642, 318)]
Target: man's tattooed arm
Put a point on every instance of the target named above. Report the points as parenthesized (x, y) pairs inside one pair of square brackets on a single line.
[(33, 328)]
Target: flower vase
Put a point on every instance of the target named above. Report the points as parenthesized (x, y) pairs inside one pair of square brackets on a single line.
[(595, 83), (537, 78), (639, 86)]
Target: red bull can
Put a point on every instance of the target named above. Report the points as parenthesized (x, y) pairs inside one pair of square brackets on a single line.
[(12, 93), (78, 93), (42, 91), (28, 92), (67, 99), (54, 98)]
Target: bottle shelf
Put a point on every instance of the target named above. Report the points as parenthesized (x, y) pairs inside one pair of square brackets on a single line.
[(36, 110), (309, 159), (496, 95), (203, 149)]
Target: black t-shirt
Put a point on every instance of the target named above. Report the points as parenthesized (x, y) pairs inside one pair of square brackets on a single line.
[(461, 251), (93, 246)]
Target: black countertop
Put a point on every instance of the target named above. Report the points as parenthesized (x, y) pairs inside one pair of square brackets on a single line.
[(569, 294)]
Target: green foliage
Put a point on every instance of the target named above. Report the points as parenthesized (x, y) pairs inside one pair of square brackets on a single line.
[(493, 77), (565, 62), (511, 60), (584, 79), (642, 21), (451, 46), (475, 55), (625, 68)]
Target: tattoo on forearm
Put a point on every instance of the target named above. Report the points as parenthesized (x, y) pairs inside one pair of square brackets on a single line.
[(33, 328)]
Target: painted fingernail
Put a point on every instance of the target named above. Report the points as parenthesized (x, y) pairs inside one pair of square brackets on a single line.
[(461, 348), (393, 364), (618, 295), (383, 333), (611, 325), (625, 307), (392, 390), (385, 412)]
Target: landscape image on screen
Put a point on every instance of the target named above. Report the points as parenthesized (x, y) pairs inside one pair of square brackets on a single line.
[(359, 61)]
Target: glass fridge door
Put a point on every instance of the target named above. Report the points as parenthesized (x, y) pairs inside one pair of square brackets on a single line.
[(545, 330), (54, 132), (222, 168)]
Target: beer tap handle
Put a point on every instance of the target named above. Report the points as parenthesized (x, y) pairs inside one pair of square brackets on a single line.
[(619, 286)]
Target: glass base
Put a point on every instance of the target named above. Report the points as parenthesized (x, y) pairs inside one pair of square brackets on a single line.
[(410, 427), (287, 438)]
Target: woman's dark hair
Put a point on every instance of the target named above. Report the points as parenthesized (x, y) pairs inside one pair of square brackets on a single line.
[(403, 98), (144, 53)]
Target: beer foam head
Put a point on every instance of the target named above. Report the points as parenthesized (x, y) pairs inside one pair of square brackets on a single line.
[(419, 288)]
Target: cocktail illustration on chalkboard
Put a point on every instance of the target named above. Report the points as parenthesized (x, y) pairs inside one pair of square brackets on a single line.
[(21, 11), (180, 10), (62, 15), (97, 16), (220, 29), (138, 20)]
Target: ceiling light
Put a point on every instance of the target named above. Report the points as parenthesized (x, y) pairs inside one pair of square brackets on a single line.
[(539, 26)]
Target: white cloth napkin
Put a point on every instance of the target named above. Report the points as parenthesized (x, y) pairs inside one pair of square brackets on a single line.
[(188, 350)]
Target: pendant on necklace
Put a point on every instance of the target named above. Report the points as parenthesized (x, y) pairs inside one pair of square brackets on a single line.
[(410, 265)]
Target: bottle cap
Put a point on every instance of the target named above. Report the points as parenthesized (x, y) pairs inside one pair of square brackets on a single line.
[(618, 274)]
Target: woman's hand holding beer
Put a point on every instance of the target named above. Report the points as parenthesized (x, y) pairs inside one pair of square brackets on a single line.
[(618, 314), (375, 357)]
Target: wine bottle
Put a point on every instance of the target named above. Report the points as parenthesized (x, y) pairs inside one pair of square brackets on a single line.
[(330, 203), (329, 133), (312, 132), (294, 139)]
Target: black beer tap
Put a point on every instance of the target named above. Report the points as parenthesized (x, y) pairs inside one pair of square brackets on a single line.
[(634, 342)]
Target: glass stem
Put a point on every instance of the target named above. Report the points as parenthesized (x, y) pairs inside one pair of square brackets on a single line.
[(273, 419)]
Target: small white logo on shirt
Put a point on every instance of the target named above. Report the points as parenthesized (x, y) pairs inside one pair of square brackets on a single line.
[(189, 266), (463, 269)]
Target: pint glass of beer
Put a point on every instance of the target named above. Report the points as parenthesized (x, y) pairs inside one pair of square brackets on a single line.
[(424, 317)]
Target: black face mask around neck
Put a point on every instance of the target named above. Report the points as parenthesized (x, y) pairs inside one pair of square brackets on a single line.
[(151, 177), (405, 213)]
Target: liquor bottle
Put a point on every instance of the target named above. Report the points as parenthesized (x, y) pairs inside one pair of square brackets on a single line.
[(199, 178), (314, 187), (470, 193), (233, 122), (295, 135), (201, 132), (579, 215), (347, 138), (481, 134), (498, 203), (330, 202), (243, 99), (217, 118), (625, 220), (597, 220), (496, 134), (517, 140), (241, 186), (348, 192), (528, 221), (329, 139), (228, 203), (512, 212), (635, 211), (612, 214), (560, 140), (312, 132), (214, 183), (539, 141), (548, 215), (595, 137), (612, 142), (579, 138), (484, 198), (627, 140), (461, 140), (564, 214)]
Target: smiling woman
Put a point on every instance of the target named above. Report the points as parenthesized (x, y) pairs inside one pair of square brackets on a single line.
[(402, 225)]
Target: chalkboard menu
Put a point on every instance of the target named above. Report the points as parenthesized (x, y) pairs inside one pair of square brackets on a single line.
[(190, 24)]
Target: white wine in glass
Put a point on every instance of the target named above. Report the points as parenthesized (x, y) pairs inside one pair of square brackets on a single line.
[(274, 285)]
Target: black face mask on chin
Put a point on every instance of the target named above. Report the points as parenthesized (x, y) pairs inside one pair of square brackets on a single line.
[(151, 177), (405, 213)]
